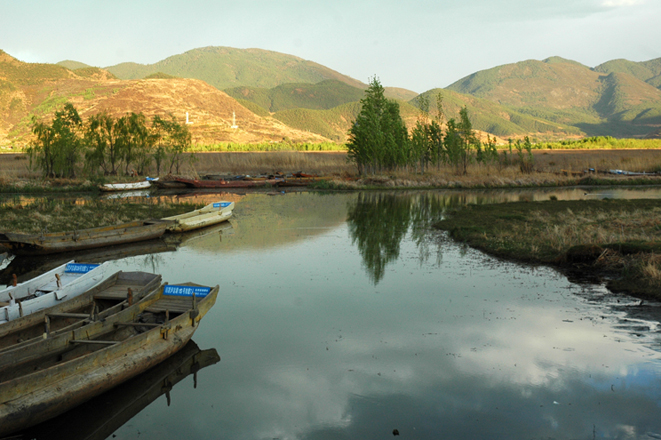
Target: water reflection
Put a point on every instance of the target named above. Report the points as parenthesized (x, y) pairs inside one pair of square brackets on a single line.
[(378, 222), (100, 417), (317, 345)]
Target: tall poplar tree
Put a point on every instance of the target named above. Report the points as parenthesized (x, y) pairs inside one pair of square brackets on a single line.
[(378, 138)]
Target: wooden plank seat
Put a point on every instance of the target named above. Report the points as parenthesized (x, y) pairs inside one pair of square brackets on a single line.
[(171, 304), (117, 292)]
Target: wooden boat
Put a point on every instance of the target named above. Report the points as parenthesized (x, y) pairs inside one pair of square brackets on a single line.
[(49, 243), (209, 215), (131, 186), (195, 183), (168, 184), (114, 294), (91, 365), (101, 416), (62, 283)]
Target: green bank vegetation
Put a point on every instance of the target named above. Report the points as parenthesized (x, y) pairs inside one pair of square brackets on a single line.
[(620, 239), (267, 146), (380, 142)]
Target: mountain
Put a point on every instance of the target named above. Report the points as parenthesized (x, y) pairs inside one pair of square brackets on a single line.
[(322, 95), (72, 65), (491, 117), (568, 93), (648, 71), (226, 67), (30, 90)]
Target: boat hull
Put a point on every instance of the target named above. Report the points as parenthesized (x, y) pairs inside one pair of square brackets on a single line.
[(209, 215), (37, 397), (50, 243), (193, 183), (111, 187)]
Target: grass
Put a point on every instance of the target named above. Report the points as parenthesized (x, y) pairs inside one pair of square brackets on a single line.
[(620, 238), (47, 214), (268, 146), (551, 168)]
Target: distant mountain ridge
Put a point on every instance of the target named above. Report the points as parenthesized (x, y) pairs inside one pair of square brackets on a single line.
[(287, 97), (226, 67), (607, 100)]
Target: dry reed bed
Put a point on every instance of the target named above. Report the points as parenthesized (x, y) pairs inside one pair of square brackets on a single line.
[(619, 237), (550, 168)]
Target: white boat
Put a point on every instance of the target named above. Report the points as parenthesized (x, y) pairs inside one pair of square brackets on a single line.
[(131, 186), (209, 215), (64, 282)]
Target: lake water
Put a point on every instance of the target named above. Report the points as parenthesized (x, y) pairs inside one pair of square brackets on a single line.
[(346, 316)]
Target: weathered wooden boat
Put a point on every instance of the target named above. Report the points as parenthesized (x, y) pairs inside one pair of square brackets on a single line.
[(62, 283), (91, 365), (130, 186), (53, 242), (195, 183), (115, 293), (101, 416), (169, 184), (209, 215)]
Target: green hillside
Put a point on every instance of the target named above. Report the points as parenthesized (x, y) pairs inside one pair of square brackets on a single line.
[(320, 96), (225, 67), (332, 123), (494, 118), (648, 71), (559, 91)]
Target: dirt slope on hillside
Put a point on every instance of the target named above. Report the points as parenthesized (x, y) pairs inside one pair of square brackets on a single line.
[(211, 112)]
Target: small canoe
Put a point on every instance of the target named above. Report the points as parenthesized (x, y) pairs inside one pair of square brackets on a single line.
[(131, 186), (110, 296), (62, 283), (209, 215), (195, 183), (91, 365), (101, 416), (54, 242)]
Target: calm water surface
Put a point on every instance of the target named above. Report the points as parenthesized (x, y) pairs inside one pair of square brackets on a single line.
[(347, 316)]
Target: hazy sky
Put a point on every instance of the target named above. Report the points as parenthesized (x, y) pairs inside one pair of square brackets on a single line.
[(415, 44)]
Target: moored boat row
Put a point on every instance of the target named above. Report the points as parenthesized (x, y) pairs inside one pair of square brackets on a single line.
[(140, 230), (111, 333), (74, 332)]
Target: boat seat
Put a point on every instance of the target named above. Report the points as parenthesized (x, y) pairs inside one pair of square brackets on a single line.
[(172, 304), (3, 304), (118, 292)]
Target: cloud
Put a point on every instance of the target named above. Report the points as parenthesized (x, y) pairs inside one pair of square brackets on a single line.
[(621, 3)]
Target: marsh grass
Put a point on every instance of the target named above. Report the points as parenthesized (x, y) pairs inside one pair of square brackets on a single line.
[(49, 215), (621, 237), (551, 168)]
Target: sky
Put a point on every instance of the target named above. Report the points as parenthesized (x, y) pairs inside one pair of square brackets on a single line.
[(413, 44)]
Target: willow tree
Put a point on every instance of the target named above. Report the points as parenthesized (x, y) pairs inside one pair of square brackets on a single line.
[(57, 147)]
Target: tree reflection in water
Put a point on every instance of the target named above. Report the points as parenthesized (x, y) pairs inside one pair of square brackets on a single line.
[(378, 222)]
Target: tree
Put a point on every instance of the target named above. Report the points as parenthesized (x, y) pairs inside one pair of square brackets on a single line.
[(57, 147), (175, 137), (378, 138), (427, 135), (103, 146)]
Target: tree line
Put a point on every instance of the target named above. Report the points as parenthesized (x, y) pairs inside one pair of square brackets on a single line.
[(379, 140), (107, 145)]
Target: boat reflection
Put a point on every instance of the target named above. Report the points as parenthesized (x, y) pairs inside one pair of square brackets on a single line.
[(27, 267), (104, 414)]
